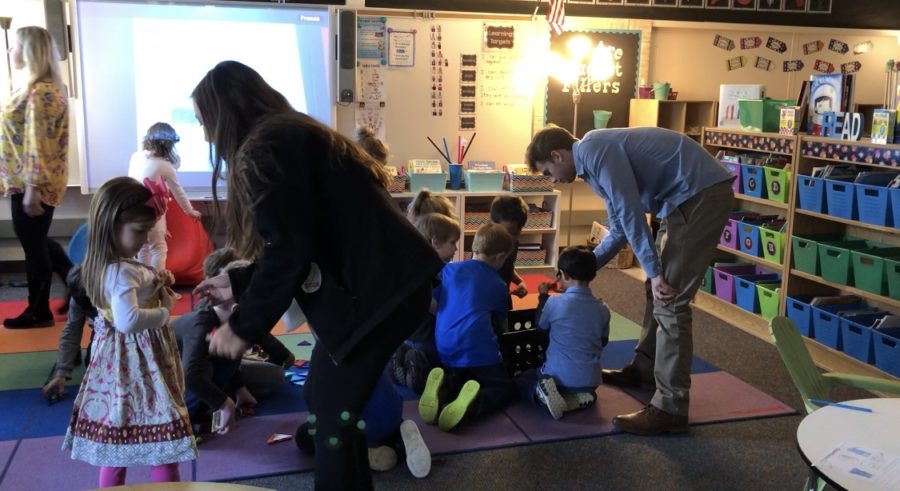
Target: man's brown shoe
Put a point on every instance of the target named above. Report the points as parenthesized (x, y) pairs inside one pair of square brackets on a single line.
[(627, 377), (651, 421)]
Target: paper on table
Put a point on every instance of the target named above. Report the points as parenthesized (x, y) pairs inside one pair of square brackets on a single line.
[(868, 467)]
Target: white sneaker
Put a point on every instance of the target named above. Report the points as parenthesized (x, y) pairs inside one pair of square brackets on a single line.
[(548, 395), (418, 457), (579, 400), (382, 458)]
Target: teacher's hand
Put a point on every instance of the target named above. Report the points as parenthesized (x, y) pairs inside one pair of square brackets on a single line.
[(31, 202), (663, 292), (215, 290), (225, 343)]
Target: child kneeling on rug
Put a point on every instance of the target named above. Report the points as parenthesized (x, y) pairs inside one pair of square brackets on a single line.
[(578, 327), (472, 296)]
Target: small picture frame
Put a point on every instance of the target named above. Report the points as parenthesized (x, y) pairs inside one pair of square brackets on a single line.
[(795, 5), (819, 6), (637, 3), (608, 2), (770, 5), (589, 2), (691, 4), (665, 3), (718, 4), (743, 4)]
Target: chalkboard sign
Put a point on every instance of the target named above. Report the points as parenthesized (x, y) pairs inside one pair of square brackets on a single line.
[(612, 95)]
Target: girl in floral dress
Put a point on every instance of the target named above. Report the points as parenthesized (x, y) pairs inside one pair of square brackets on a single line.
[(130, 408)]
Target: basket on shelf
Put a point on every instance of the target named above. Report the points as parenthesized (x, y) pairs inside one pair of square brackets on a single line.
[(531, 258), (540, 219), (530, 183), (475, 219), (398, 184), (623, 259)]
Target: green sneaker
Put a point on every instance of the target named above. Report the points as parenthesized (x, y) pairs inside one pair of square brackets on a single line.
[(429, 403), (454, 412)]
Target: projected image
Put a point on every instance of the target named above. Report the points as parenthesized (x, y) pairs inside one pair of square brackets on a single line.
[(139, 63), (164, 95)]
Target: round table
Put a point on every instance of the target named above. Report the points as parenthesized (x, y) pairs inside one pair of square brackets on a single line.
[(829, 427)]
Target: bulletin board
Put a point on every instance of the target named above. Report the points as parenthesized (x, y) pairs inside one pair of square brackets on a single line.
[(612, 95), (460, 83)]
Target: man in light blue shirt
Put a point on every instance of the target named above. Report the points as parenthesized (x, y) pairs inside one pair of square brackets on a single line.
[(639, 171)]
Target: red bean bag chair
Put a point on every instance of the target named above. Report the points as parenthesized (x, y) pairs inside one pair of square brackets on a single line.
[(188, 244)]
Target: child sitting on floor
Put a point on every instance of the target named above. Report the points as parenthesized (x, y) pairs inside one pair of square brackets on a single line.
[(578, 327), (221, 384), (471, 298), (512, 213), (426, 202), (414, 359)]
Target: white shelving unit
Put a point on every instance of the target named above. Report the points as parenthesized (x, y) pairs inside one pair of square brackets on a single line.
[(548, 237)]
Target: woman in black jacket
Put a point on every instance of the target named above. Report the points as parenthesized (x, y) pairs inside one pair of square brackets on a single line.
[(313, 208)]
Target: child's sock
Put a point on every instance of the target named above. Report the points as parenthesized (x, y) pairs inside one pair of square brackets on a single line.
[(454, 412), (112, 476), (382, 458), (418, 457), (579, 400), (429, 403)]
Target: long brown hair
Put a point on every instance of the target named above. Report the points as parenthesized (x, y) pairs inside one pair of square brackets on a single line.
[(160, 141), (234, 103), (119, 200)]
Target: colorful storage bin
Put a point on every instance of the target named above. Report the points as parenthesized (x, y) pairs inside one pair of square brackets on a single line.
[(769, 298), (778, 184), (873, 205), (834, 259), (735, 168), (886, 343), (707, 284), (856, 333), (724, 279), (826, 323), (869, 268), (892, 275), (840, 198), (398, 184), (754, 180), (746, 296), (805, 253), (484, 181), (531, 258), (729, 237), (748, 238), (526, 183), (772, 245), (799, 310), (475, 219), (541, 219), (434, 182), (812, 193)]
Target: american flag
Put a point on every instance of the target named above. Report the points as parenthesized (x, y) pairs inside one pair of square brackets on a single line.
[(556, 16)]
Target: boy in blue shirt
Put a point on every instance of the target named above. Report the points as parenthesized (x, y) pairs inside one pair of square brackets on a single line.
[(578, 327), (471, 298)]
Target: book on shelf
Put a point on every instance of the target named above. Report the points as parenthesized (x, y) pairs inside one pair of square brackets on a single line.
[(841, 172), (825, 94), (895, 183), (887, 322), (883, 121), (788, 122), (803, 104), (835, 300), (530, 246)]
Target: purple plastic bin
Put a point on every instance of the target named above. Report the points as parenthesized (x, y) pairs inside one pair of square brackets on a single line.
[(730, 234), (735, 169), (724, 278)]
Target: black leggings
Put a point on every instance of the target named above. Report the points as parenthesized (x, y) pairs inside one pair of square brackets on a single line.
[(43, 256), (342, 460)]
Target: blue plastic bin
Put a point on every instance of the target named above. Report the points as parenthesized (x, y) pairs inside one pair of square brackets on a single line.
[(887, 349), (826, 323), (434, 182), (812, 193), (799, 310), (856, 333), (753, 180), (840, 198), (745, 290), (748, 239), (724, 279), (873, 205)]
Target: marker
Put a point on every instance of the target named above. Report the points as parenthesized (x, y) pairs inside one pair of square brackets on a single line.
[(821, 402)]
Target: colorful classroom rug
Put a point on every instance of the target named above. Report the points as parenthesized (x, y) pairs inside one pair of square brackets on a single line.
[(31, 430)]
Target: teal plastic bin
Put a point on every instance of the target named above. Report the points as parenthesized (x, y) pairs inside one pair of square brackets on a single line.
[(484, 181)]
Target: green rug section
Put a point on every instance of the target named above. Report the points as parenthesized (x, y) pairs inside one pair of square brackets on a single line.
[(30, 370), (292, 341), (621, 328)]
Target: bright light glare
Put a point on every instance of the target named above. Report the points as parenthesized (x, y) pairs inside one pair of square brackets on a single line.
[(602, 65), (566, 71), (579, 47)]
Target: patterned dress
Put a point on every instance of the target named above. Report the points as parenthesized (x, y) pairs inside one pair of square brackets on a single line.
[(130, 408)]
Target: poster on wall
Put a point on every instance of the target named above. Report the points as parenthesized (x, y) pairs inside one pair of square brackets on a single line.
[(498, 37), (612, 94), (401, 48), (371, 82), (371, 40)]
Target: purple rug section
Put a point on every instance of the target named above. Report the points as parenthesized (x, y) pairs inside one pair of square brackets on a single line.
[(244, 453), (6, 449), (719, 396), (40, 464), (495, 431), (539, 426)]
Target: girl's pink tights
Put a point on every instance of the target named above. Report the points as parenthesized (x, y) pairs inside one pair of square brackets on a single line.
[(115, 476)]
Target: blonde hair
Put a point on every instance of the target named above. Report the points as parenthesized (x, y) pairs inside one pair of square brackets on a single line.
[(425, 202), (492, 239), (119, 200), (437, 227), (221, 261), (41, 57), (373, 145)]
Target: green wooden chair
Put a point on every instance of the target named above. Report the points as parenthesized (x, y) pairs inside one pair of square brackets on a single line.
[(809, 381)]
